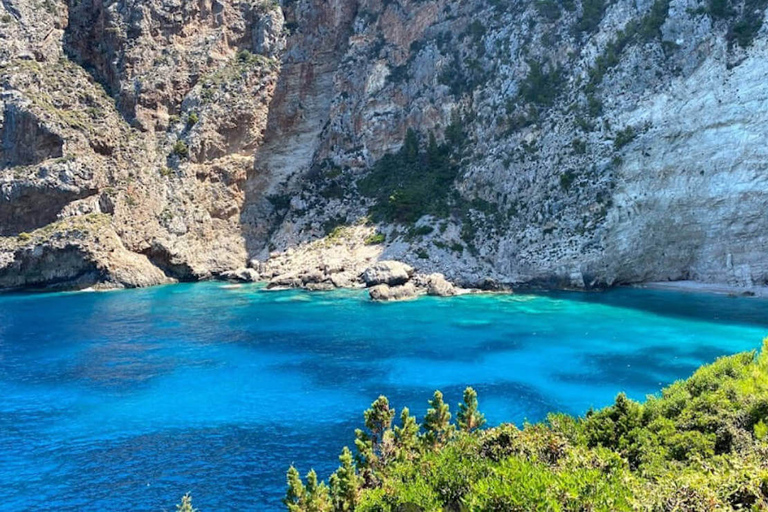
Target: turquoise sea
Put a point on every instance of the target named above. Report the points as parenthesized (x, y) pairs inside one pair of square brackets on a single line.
[(126, 400)]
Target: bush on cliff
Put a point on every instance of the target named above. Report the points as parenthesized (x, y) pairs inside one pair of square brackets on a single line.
[(415, 181), (702, 444)]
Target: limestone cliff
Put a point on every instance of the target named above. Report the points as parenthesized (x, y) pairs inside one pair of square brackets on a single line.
[(572, 142)]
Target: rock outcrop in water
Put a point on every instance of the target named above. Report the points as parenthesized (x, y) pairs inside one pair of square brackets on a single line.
[(570, 144)]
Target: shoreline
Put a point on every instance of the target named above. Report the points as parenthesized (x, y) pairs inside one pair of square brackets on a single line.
[(705, 288), (685, 286)]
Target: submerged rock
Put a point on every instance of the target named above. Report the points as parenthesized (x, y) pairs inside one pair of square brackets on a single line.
[(385, 293), (391, 273)]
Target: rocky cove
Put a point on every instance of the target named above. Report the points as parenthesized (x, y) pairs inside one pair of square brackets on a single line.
[(566, 144)]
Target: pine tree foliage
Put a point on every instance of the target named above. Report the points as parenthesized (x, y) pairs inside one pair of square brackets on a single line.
[(469, 418), (437, 421), (700, 445), (344, 484), (186, 504), (406, 435), (294, 496)]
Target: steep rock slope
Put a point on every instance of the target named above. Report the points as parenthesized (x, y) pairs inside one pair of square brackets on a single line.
[(601, 143), (574, 143), (145, 112)]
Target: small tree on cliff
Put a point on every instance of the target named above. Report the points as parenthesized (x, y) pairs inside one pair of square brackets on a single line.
[(437, 421), (378, 444), (312, 498), (318, 498), (379, 418), (294, 496), (407, 435), (186, 504), (469, 417), (344, 484)]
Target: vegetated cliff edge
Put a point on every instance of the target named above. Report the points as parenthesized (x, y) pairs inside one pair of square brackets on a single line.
[(576, 143)]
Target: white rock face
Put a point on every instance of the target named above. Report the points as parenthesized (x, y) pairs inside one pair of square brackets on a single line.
[(392, 273), (651, 167), (695, 192)]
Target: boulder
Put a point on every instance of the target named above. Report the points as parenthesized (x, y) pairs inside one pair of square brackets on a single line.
[(344, 280), (314, 276), (438, 286), (392, 273), (319, 287), (384, 292), (241, 275), (285, 281)]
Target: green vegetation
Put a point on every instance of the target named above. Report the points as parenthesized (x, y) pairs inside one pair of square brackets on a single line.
[(566, 179), (375, 239), (743, 21), (192, 119), (181, 149), (549, 10), (235, 73), (624, 137), (745, 27), (700, 445), (415, 182), (62, 81), (592, 15), (186, 504), (337, 233), (579, 146), (638, 31), (542, 85), (73, 228)]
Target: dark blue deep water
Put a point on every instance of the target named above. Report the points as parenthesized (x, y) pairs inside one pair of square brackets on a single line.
[(127, 400)]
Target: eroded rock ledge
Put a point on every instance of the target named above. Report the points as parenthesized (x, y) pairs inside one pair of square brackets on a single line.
[(345, 259)]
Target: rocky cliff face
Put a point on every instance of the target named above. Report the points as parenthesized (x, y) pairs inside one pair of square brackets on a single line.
[(147, 113), (574, 143)]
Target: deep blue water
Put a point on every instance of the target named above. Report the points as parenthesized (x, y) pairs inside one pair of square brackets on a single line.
[(127, 400)]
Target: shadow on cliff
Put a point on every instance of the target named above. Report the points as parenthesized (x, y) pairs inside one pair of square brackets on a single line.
[(694, 306), (298, 114)]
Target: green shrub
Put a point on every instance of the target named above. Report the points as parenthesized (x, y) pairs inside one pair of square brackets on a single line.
[(542, 85), (186, 504), (421, 230), (661, 455), (414, 182), (548, 9), (636, 31), (375, 239), (567, 179), (592, 15), (181, 149), (192, 119), (579, 146), (624, 137)]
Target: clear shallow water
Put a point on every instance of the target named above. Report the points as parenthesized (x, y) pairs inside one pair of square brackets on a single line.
[(127, 400)]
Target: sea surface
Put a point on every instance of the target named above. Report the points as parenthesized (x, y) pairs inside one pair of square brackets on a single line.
[(127, 400)]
